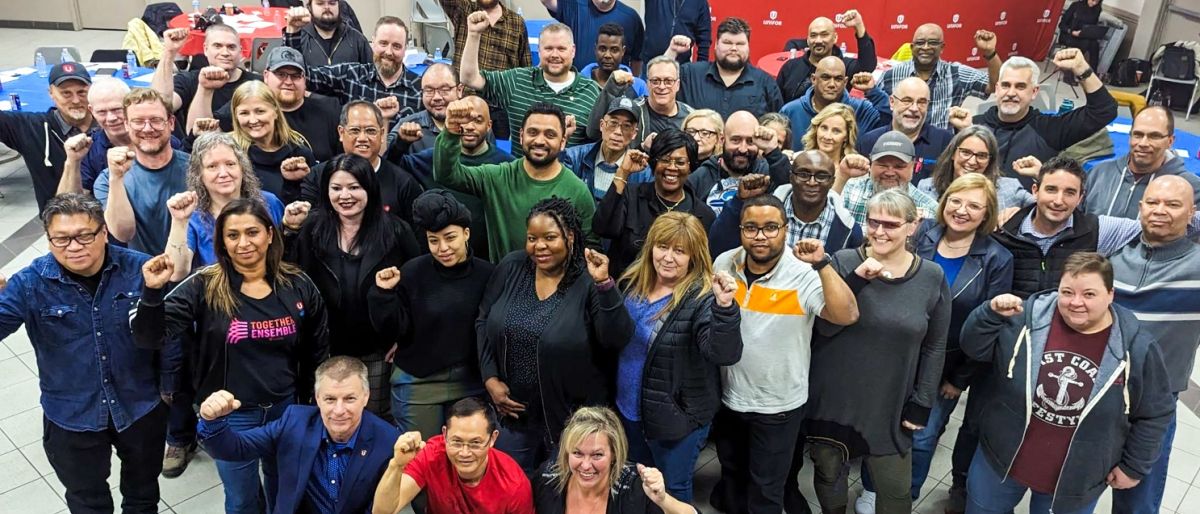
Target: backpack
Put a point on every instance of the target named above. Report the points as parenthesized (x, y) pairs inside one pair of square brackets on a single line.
[(1178, 62), (1125, 73), (158, 15)]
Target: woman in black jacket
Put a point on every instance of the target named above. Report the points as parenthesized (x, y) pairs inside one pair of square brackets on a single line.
[(252, 325), (627, 210), (430, 304), (281, 156), (550, 323), (686, 326), (341, 246), (1080, 15)]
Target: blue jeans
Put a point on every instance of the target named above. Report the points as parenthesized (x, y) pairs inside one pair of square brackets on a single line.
[(244, 493), (989, 493), (675, 459), (530, 447), (1146, 497)]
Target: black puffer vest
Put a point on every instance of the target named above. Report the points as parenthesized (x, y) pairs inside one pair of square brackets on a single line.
[(1032, 271)]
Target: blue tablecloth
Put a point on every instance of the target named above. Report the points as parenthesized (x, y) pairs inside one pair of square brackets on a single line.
[(1185, 141), (534, 28), (35, 93)]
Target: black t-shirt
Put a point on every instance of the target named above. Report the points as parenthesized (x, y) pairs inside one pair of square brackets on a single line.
[(752, 277), (92, 283), (316, 120), (186, 84), (260, 350)]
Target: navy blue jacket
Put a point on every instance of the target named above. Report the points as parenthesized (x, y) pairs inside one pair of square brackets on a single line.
[(986, 274), (89, 368), (668, 18), (929, 145), (293, 441)]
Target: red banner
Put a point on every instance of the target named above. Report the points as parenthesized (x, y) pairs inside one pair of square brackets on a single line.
[(1023, 27)]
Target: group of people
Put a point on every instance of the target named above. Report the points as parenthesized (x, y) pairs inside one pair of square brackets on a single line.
[(332, 278)]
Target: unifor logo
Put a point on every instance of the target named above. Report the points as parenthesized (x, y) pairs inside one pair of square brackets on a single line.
[(774, 14), (899, 18), (838, 17), (975, 51), (1014, 47), (954, 18), (1046, 13), (1003, 14)]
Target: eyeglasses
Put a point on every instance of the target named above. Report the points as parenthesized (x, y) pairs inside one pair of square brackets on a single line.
[(874, 224), (623, 126), (770, 230), (932, 43), (903, 103), (955, 203), (701, 133), (662, 82), (284, 77), (439, 91), (805, 176), (153, 123), (456, 445), (967, 155), (358, 131), (83, 239), (678, 163), (1152, 136)]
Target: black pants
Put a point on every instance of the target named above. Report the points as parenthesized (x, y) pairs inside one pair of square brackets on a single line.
[(1089, 47), (82, 462), (755, 451)]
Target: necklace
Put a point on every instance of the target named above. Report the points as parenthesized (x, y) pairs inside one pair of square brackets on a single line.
[(952, 247), (672, 207)]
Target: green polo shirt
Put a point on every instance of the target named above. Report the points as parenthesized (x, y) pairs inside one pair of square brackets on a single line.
[(514, 90)]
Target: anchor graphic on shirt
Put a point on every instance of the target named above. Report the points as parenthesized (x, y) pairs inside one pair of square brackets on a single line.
[(1066, 378)]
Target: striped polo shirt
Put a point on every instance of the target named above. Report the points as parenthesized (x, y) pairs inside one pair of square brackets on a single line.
[(516, 89)]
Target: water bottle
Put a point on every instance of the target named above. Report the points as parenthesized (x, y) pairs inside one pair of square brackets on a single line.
[(1067, 106), (131, 59), (39, 62), (792, 54), (196, 6), (437, 54), (520, 12), (843, 47), (1156, 98), (266, 4), (65, 56)]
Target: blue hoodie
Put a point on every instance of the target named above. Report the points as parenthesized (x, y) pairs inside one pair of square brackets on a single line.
[(867, 113)]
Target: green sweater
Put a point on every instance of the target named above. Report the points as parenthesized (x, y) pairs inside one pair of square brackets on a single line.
[(508, 193)]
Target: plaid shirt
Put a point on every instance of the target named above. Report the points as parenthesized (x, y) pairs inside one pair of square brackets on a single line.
[(505, 45), (1113, 232), (358, 81), (817, 229), (949, 85), (858, 190)]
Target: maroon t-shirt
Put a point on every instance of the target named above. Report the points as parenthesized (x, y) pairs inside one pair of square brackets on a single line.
[(1065, 380)]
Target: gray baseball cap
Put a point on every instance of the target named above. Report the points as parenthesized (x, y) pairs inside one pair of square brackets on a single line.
[(623, 104), (895, 144), (285, 56)]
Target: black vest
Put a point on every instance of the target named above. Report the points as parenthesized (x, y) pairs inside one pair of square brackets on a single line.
[(1032, 271)]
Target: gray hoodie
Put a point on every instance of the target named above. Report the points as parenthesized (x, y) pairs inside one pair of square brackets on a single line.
[(1112, 189)]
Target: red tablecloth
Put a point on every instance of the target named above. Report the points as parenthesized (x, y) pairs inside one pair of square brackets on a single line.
[(772, 63), (275, 15)]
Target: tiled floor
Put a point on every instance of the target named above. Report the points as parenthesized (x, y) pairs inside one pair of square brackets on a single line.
[(29, 486)]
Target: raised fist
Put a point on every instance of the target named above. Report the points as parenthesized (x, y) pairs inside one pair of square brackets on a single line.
[(680, 45), (959, 117), (1070, 59), (77, 147), (406, 448), (870, 269), (203, 125), (182, 205), (597, 265), (634, 161), (477, 22), (218, 405), (752, 185), (157, 271), (1007, 305), (297, 18), (389, 105), (173, 40), (213, 77), (387, 278), (854, 165), (295, 214), (863, 81), (410, 131), (1028, 166), (294, 168), (571, 126), (810, 251), (653, 484), (985, 41), (621, 77), (648, 141), (458, 113), (766, 139), (120, 160), (724, 286)]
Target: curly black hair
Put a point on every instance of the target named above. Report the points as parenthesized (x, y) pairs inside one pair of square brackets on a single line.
[(567, 218)]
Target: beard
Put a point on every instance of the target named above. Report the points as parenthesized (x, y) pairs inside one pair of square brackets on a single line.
[(730, 158), (551, 156), (152, 146), (731, 63), (487, 4), (386, 66), (327, 24)]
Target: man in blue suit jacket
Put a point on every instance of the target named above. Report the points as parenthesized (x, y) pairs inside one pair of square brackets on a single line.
[(330, 457)]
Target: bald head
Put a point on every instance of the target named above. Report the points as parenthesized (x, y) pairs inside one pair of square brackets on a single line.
[(739, 122), (927, 44), (1151, 139), (821, 38), (812, 176), (809, 158), (910, 105), (105, 99), (1165, 210), (829, 81)]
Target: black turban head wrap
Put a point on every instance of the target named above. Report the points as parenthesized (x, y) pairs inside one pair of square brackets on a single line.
[(437, 209)]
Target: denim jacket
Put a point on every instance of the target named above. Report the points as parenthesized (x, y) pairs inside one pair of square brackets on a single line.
[(89, 369)]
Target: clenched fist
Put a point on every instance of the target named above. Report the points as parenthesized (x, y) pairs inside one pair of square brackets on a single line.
[(985, 41), (182, 205), (1028, 166), (120, 160), (77, 147), (752, 185), (597, 265), (297, 18), (203, 125), (173, 40), (766, 139), (679, 45), (406, 448), (218, 405), (634, 161), (621, 77), (863, 81), (389, 105), (724, 286), (959, 118), (213, 77), (854, 165), (809, 250), (1070, 59), (870, 269), (409, 131), (157, 271), (458, 113), (1007, 305), (387, 278), (294, 215), (294, 168), (477, 22)]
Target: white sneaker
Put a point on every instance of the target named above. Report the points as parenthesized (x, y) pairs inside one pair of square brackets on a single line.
[(865, 504)]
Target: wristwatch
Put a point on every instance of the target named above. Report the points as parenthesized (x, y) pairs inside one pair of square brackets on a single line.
[(1085, 75), (825, 261)]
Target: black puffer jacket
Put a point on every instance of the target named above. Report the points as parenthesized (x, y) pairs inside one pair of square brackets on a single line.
[(681, 381)]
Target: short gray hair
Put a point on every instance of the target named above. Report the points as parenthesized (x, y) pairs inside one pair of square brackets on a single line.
[(894, 202), (341, 368), (1018, 63), (662, 59), (107, 86), (69, 204)]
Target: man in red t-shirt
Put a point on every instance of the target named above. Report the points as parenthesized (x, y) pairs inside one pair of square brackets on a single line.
[(460, 470)]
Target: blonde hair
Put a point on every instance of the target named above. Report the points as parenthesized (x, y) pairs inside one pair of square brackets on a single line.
[(281, 132), (585, 422), (671, 229), (834, 109), (712, 116), (968, 182)]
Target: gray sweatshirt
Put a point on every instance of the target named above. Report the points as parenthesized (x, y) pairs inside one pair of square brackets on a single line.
[(1161, 285), (1112, 189)]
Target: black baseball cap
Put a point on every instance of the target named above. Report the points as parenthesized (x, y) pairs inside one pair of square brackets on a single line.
[(63, 72)]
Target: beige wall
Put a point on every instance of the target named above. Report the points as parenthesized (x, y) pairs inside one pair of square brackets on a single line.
[(62, 11)]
